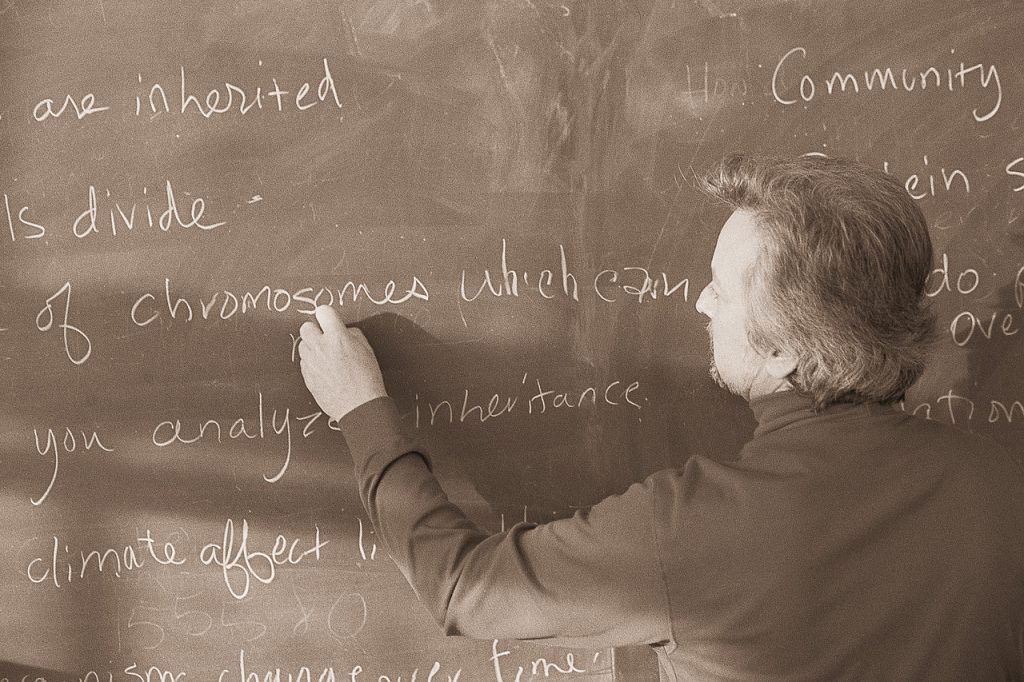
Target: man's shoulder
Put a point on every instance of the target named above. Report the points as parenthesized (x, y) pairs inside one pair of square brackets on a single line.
[(964, 447)]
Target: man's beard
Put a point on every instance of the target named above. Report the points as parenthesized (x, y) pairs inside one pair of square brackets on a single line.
[(712, 367)]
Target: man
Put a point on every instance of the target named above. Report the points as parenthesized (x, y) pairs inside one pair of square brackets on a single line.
[(849, 541)]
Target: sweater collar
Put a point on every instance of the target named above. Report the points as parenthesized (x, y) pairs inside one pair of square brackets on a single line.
[(779, 409)]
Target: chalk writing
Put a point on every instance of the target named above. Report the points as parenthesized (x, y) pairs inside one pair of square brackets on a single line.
[(966, 324), (242, 628), (884, 79), (180, 619), (153, 674), (135, 672), (139, 618), (165, 215), (305, 673), (234, 99), (48, 108), (613, 393), (922, 185), (225, 305), (1016, 169), (347, 616), (372, 554), (965, 282), (24, 228), (635, 282), (1005, 411), (240, 564), (507, 283), (534, 668), (64, 566), (45, 320), (701, 88), (638, 283), (90, 676), (961, 409), (171, 432), (169, 550), (70, 443)]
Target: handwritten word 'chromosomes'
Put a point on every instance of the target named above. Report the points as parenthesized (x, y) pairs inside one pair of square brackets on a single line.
[(235, 99), (240, 564), (126, 217), (225, 305), (466, 410), (808, 87)]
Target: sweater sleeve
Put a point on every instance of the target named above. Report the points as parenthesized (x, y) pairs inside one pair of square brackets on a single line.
[(591, 580)]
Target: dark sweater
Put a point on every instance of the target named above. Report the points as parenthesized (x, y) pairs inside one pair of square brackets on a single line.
[(858, 543)]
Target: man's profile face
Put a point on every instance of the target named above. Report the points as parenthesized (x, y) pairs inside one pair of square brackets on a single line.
[(735, 364)]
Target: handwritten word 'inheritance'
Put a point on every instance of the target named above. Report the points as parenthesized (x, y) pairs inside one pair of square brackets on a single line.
[(183, 98), (807, 87), (467, 409)]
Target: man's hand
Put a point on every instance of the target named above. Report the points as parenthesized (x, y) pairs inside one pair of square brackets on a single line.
[(338, 364)]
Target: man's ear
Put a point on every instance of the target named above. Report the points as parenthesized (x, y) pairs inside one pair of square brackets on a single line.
[(780, 365)]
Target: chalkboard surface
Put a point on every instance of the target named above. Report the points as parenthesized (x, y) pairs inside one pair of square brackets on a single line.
[(501, 193)]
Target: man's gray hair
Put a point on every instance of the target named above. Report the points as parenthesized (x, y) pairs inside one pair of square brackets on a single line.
[(840, 281)]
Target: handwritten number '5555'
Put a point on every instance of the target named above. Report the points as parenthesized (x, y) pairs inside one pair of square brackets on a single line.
[(45, 320)]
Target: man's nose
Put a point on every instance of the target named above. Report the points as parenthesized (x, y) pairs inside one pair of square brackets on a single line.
[(702, 302)]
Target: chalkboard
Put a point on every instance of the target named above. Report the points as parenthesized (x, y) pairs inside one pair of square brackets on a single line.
[(501, 193)]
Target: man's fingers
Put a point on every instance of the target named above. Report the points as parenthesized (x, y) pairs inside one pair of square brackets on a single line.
[(329, 319), (309, 331), (359, 336)]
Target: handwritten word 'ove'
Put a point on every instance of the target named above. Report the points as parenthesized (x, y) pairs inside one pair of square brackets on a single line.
[(248, 564), (884, 79), (45, 321)]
